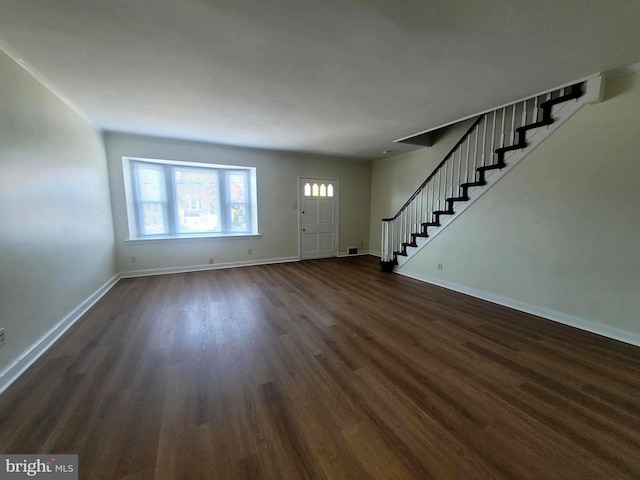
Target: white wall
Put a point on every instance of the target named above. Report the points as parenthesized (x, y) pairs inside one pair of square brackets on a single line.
[(395, 179), (277, 178), (56, 240), (560, 234)]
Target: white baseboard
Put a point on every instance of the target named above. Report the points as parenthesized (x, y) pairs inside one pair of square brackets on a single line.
[(625, 336), (198, 268), (29, 356)]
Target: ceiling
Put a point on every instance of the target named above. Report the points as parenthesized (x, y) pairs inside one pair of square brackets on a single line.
[(337, 77)]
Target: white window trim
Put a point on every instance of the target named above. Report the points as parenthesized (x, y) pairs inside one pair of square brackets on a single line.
[(132, 222)]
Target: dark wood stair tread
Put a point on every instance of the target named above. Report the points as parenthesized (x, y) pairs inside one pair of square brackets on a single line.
[(473, 184), (491, 167), (444, 212), (510, 148), (531, 126), (458, 199)]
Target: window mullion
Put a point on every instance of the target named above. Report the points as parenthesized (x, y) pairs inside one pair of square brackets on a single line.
[(223, 177), (170, 199)]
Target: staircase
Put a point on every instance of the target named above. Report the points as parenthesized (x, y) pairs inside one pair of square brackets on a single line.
[(496, 141)]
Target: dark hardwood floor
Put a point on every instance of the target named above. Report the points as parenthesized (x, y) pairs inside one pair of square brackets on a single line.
[(325, 369)]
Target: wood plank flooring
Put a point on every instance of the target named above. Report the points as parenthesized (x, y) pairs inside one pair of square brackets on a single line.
[(325, 369)]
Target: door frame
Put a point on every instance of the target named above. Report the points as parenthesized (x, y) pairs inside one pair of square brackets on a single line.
[(301, 197)]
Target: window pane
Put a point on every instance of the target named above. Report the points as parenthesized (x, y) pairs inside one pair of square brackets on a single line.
[(150, 183), (152, 219), (237, 188), (239, 218), (197, 200)]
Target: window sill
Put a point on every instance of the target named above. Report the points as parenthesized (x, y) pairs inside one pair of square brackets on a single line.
[(180, 238)]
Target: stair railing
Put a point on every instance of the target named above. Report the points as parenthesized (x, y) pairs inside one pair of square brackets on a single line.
[(481, 148)]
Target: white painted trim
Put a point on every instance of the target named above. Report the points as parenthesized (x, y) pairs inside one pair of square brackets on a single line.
[(199, 268), (625, 336), (29, 356), (182, 238)]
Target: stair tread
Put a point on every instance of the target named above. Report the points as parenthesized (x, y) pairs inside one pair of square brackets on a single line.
[(458, 199), (491, 167), (444, 212), (531, 126), (517, 146), (473, 184)]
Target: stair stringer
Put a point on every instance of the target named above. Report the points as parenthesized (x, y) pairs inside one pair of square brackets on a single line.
[(534, 137)]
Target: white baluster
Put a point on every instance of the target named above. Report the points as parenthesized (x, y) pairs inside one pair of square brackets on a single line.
[(493, 136), (475, 148), (504, 117), (460, 175), (484, 141), (513, 125), (383, 246)]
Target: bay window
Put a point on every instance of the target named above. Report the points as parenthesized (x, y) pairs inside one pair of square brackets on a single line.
[(167, 199)]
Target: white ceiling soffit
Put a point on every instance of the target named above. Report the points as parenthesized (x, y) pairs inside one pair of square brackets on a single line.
[(337, 77)]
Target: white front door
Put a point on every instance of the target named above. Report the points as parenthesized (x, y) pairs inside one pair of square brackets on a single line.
[(318, 218)]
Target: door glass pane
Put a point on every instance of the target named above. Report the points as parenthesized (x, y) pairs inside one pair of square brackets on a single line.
[(323, 190), (314, 190), (197, 200), (307, 190), (330, 191)]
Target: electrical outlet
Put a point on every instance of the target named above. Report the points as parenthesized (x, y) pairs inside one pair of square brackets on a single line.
[(439, 266), (2, 337), (133, 259), (211, 261), (249, 251)]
